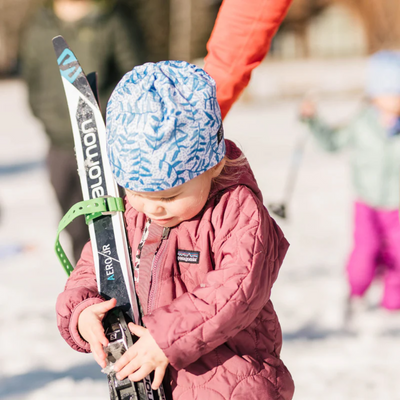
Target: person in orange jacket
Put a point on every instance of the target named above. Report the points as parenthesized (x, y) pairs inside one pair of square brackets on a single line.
[(240, 40)]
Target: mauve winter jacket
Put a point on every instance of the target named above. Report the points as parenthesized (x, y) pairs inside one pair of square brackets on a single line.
[(208, 303)]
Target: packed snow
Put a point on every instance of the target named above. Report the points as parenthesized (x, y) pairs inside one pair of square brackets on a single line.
[(327, 361)]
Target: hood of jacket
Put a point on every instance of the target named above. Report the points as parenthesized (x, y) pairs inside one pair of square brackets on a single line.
[(236, 175)]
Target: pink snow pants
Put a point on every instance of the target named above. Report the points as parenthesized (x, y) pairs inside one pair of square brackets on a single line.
[(376, 241)]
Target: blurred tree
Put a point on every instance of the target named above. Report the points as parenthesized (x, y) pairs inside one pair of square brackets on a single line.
[(191, 23), (300, 13), (175, 29), (152, 19), (381, 21)]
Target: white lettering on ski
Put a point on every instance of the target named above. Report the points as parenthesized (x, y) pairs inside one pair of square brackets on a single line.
[(90, 140)]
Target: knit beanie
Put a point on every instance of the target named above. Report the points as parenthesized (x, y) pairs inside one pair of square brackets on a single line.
[(383, 74), (163, 126)]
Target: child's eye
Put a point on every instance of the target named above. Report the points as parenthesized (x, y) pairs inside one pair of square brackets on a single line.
[(167, 199)]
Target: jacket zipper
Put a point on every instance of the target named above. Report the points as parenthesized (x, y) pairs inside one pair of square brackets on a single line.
[(154, 268)]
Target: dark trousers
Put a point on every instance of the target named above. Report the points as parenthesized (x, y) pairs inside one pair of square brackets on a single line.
[(65, 181)]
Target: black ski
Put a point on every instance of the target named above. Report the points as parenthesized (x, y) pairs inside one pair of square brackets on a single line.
[(107, 231)]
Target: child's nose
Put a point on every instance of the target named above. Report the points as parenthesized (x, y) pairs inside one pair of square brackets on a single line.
[(153, 208)]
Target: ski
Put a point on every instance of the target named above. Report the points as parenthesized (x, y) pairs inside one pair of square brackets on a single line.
[(107, 230)]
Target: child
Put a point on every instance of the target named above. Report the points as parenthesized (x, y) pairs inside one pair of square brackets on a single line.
[(374, 140), (211, 252)]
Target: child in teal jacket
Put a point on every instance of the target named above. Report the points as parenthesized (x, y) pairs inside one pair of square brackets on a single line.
[(374, 142)]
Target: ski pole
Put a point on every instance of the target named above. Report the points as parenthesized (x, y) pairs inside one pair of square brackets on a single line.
[(280, 209)]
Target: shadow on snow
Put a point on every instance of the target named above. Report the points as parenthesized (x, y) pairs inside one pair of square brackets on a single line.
[(312, 332), (17, 168), (33, 380)]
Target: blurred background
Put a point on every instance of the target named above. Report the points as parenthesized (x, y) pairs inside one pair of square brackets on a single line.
[(320, 50)]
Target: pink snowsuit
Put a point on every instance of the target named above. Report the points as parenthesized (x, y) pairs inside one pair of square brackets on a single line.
[(376, 244), (206, 296)]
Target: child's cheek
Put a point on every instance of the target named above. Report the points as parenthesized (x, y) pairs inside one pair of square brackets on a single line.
[(176, 208), (189, 209), (179, 209), (135, 203)]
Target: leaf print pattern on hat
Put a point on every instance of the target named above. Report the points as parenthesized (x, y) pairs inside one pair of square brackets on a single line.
[(164, 126)]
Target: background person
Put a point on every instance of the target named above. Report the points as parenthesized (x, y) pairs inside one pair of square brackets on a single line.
[(99, 37), (373, 138)]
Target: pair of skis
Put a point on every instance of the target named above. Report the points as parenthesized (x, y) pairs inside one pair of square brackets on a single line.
[(106, 225)]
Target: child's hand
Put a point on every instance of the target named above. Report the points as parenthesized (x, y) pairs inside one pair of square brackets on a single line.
[(91, 328), (307, 109), (142, 358)]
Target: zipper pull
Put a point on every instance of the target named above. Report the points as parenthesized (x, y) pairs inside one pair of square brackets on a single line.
[(165, 233)]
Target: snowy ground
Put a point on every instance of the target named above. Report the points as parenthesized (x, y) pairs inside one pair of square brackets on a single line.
[(325, 361)]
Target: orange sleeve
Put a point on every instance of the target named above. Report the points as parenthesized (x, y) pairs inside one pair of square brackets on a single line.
[(240, 40)]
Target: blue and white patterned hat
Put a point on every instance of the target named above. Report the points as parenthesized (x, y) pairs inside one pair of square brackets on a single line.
[(383, 73), (164, 126)]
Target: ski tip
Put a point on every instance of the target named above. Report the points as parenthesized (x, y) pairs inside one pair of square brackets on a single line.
[(59, 44), (70, 68), (66, 60), (58, 40)]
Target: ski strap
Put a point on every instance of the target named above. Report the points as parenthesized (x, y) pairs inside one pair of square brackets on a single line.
[(91, 209)]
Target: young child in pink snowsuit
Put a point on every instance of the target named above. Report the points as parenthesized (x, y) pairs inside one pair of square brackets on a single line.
[(374, 141), (209, 252)]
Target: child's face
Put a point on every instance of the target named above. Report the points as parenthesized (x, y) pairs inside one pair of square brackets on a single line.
[(72, 10), (170, 207), (388, 103)]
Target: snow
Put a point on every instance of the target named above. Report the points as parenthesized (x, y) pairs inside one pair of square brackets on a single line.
[(326, 361)]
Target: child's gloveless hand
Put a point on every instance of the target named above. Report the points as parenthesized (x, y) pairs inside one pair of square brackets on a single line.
[(91, 328), (142, 358)]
